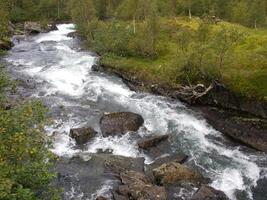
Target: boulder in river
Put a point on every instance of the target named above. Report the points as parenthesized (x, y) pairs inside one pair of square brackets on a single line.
[(86, 172), (120, 123), (156, 146), (173, 172), (101, 198), (117, 196), (52, 27), (72, 34), (175, 157), (147, 143), (209, 193), (138, 187), (82, 135)]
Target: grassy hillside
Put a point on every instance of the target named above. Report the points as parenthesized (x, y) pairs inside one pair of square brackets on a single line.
[(244, 67)]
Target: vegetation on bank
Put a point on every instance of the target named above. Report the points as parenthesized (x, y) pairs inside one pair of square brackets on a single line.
[(25, 160), (34, 10), (163, 41), (180, 42), (19, 11)]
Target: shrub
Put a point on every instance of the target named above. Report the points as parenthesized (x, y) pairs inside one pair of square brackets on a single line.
[(25, 160)]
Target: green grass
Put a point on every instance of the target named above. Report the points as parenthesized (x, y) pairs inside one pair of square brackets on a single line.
[(245, 72)]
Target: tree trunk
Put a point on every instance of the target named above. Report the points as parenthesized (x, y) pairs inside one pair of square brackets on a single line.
[(255, 24), (189, 13), (134, 25), (58, 11)]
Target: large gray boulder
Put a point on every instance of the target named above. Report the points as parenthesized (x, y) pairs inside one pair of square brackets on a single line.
[(120, 123)]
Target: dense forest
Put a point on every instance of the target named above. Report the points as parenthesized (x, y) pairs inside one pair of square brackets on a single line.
[(166, 41), (180, 42)]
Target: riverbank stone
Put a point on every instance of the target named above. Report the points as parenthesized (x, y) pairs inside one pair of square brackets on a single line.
[(82, 135), (147, 143), (120, 123), (247, 130), (209, 193), (173, 172), (87, 172), (138, 187)]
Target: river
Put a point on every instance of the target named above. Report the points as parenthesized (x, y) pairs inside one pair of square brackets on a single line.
[(57, 71)]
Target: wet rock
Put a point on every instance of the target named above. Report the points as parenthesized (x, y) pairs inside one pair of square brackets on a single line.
[(147, 143), (259, 192), (185, 190), (82, 135), (137, 186), (209, 193), (101, 198), (247, 130), (32, 28), (72, 34), (120, 123), (173, 172), (41, 93), (132, 176), (52, 27), (96, 68), (220, 96), (87, 172), (105, 151), (175, 157), (160, 149), (117, 196), (123, 190)]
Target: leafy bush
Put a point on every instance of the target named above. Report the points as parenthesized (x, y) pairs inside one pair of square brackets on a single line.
[(25, 160)]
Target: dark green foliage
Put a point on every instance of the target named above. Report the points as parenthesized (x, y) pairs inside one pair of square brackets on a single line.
[(30, 10), (4, 16)]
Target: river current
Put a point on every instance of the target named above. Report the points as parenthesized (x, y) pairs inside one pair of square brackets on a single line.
[(57, 71)]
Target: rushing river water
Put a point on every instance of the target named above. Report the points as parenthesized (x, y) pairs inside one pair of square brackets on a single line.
[(58, 72)]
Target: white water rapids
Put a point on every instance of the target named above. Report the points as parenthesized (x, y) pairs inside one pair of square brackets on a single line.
[(77, 97)]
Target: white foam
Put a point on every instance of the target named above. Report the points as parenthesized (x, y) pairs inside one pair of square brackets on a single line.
[(104, 191), (64, 146), (58, 35), (230, 181), (119, 145)]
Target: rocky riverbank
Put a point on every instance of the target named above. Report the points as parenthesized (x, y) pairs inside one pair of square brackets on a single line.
[(21, 30), (240, 118)]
